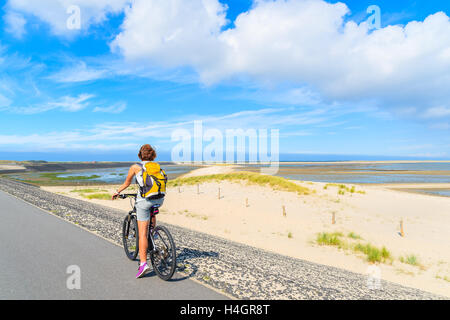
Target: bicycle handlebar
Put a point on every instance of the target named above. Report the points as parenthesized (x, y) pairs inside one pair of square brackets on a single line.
[(129, 195)]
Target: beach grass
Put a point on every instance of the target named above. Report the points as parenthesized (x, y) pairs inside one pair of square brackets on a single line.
[(353, 236), (410, 259), (372, 253), (445, 278), (99, 196), (329, 239), (196, 216), (276, 183), (87, 191), (342, 188)]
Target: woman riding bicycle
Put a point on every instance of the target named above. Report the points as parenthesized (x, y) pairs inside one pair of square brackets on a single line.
[(143, 205)]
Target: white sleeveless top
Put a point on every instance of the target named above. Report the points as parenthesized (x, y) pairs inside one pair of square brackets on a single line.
[(140, 180)]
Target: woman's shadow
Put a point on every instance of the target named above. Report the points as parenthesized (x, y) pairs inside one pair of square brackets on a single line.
[(185, 263)]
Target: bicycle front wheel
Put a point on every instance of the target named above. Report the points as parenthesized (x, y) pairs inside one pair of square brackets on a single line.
[(130, 237), (163, 257)]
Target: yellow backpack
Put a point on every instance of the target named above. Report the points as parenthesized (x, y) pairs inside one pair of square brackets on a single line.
[(154, 180)]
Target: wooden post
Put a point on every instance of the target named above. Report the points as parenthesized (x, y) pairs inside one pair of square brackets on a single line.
[(179, 190), (402, 233), (284, 211), (246, 202), (219, 194), (333, 218)]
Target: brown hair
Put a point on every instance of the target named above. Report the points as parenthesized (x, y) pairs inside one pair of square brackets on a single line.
[(147, 153)]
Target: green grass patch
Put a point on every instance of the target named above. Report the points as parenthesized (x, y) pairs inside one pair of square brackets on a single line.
[(54, 179), (342, 188), (276, 183), (372, 253), (99, 196), (54, 176), (194, 215), (87, 190), (410, 259), (329, 239), (445, 278), (290, 236), (354, 236)]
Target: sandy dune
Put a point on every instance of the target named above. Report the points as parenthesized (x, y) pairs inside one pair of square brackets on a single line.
[(5, 167), (209, 170), (375, 216)]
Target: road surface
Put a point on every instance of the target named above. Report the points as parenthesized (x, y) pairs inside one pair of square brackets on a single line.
[(37, 248)]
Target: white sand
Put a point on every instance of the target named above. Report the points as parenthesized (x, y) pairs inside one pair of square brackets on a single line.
[(11, 167), (220, 169), (375, 216)]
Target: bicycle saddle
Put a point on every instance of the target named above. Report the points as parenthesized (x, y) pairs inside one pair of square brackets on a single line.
[(154, 210)]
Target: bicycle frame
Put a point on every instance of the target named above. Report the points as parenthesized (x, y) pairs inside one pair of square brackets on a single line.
[(151, 242)]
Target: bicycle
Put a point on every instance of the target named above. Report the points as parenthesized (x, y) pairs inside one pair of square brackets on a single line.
[(161, 246)]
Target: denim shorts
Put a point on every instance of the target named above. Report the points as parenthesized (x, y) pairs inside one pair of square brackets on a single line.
[(143, 208)]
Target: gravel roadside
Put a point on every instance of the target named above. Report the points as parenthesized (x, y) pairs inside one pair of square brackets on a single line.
[(238, 270)]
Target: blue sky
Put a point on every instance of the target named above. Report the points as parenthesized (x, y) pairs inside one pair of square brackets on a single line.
[(138, 70)]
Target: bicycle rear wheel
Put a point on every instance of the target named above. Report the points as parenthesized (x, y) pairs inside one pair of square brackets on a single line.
[(130, 237), (163, 257)]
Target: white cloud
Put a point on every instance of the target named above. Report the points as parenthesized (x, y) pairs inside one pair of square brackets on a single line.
[(15, 24), (307, 44), (115, 108), (124, 132), (78, 73), (66, 103), (437, 112), (54, 12), (4, 102), (173, 33)]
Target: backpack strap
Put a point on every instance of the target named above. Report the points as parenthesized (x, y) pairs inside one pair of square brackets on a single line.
[(141, 188), (157, 182)]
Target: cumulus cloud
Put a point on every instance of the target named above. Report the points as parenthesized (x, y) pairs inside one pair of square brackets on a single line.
[(173, 33), (308, 44), (55, 12)]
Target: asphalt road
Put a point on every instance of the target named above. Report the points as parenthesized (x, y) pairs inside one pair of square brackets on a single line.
[(36, 250)]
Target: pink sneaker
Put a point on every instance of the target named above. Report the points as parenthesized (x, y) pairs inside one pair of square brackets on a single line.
[(142, 270)]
